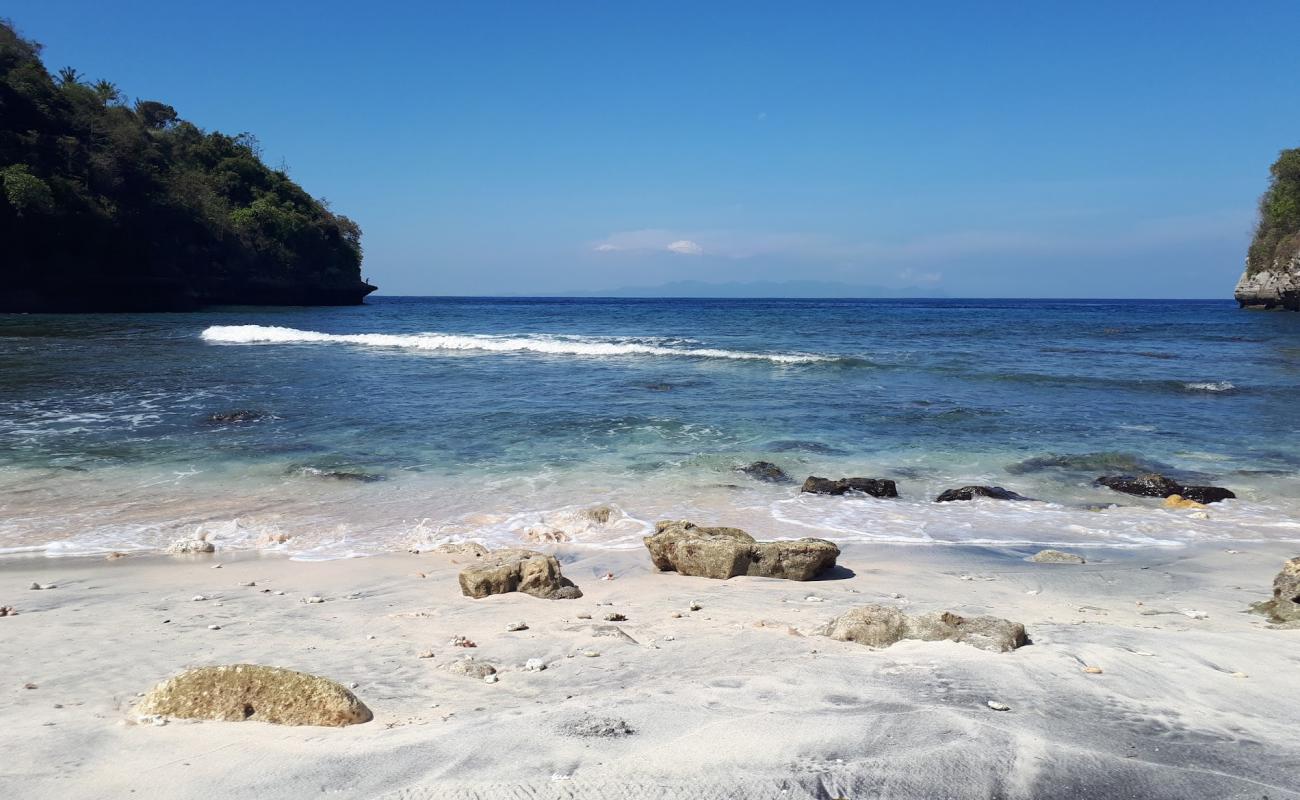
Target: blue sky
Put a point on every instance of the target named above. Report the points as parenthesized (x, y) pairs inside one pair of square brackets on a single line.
[(979, 149)]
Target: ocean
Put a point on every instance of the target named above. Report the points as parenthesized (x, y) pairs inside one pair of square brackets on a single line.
[(408, 422)]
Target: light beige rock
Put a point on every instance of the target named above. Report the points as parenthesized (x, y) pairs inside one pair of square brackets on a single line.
[(473, 549), (526, 571), (189, 546), (471, 668), (1284, 608), (881, 626), (250, 692), (723, 553), (1056, 557)]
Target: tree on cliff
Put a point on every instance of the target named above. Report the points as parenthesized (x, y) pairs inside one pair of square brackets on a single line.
[(105, 205), (1277, 236)]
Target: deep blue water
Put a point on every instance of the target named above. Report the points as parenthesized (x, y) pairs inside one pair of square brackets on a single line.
[(447, 397)]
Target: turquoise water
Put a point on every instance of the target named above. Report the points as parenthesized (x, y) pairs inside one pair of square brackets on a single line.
[(409, 421)]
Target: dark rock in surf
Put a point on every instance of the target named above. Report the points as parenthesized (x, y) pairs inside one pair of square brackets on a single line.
[(971, 492), (240, 415), (876, 487), (1155, 485), (765, 471)]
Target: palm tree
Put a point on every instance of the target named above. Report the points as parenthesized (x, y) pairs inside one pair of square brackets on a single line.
[(107, 91), (69, 75)]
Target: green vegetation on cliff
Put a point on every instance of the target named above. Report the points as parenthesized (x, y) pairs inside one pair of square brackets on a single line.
[(1277, 237), (110, 205)]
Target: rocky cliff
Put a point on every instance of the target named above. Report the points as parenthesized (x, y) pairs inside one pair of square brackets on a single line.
[(1276, 287), (1272, 276), (107, 205)]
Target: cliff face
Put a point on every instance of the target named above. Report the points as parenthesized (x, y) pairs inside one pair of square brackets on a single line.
[(1272, 276), (1273, 288), (110, 206)]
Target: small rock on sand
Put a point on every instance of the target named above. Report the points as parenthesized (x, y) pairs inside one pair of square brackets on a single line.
[(996, 706), (1092, 670), (615, 617), (493, 678), (188, 546), (517, 626), (1056, 557), (472, 549), (695, 607), (597, 728), (43, 586), (8, 611), (881, 626), (534, 665), (471, 668)]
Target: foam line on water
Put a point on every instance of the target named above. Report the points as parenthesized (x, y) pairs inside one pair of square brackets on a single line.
[(531, 343)]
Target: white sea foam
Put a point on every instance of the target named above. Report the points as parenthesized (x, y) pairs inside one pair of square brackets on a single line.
[(589, 346), (1210, 386)]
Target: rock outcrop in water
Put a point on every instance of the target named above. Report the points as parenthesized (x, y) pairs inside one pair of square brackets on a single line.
[(971, 492), (881, 626), (765, 471), (526, 571), (1272, 276), (250, 692), (689, 549), (111, 206), (876, 487), (1155, 485)]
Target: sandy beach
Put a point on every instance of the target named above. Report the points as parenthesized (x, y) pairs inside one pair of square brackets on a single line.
[(739, 698)]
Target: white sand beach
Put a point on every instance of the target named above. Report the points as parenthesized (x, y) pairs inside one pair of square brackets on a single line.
[(738, 699)]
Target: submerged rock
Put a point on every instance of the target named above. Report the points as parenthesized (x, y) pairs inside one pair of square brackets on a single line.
[(971, 492), (335, 473), (722, 553), (881, 626), (1056, 557), (1086, 463), (1285, 605), (876, 487), (765, 471), (249, 692), (526, 571), (1156, 485), (241, 415)]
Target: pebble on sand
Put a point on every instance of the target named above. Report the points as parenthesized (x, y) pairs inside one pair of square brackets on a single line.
[(695, 606), (517, 626), (534, 665), (996, 706), (8, 611), (461, 641), (38, 586), (314, 599), (214, 627), (1092, 670), (615, 617)]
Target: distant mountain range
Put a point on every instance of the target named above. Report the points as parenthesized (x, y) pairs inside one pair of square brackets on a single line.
[(756, 289)]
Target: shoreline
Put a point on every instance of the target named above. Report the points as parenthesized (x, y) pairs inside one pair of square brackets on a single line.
[(742, 696)]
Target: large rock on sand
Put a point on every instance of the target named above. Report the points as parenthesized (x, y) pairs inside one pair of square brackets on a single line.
[(1285, 605), (1155, 485), (526, 571), (249, 692), (881, 626), (876, 487), (1057, 557), (723, 553)]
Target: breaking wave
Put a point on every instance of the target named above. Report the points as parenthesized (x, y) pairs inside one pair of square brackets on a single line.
[(532, 343), (1212, 386)]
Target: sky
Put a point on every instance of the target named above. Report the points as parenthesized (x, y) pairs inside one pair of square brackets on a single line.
[(1090, 149)]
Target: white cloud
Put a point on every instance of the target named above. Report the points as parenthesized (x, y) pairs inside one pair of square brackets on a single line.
[(685, 247)]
